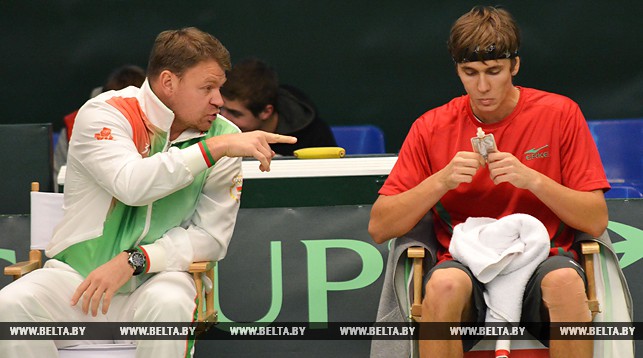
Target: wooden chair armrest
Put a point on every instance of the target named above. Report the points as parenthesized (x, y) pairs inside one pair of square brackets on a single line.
[(201, 266), (589, 248), (20, 269), (417, 254)]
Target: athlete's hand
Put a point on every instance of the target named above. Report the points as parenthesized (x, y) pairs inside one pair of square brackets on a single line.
[(506, 168), (102, 283), (248, 144), (461, 169)]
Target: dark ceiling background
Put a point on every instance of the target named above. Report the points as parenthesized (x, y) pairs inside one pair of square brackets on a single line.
[(379, 62)]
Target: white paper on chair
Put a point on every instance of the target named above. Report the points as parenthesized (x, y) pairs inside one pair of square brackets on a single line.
[(46, 213)]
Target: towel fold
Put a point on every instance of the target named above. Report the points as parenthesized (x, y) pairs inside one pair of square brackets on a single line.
[(502, 254)]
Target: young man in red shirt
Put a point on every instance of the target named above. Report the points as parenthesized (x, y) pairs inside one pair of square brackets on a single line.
[(546, 165)]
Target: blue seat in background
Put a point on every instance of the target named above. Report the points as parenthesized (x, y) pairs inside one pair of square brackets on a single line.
[(54, 139), (620, 144), (360, 139)]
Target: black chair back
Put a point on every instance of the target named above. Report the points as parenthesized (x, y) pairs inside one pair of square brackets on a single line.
[(26, 155)]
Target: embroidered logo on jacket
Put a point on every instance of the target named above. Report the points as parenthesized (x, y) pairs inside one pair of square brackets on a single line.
[(235, 189), (537, 153), (105, 134)]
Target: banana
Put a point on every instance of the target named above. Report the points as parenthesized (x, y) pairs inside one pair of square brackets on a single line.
[(320, 153)]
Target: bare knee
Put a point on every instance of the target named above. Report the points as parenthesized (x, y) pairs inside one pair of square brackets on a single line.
[(448, 292), (560, 278), (449, 282), (563, 293), (562, 286)]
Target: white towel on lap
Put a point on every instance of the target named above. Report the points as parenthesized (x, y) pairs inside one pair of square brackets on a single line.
[(502, 254)]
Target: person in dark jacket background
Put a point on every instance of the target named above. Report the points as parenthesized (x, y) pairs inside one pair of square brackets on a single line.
[(254, 100)]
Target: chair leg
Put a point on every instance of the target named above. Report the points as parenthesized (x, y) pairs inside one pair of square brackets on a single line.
[(210, 312), (199, 291), (589, 249), (417, 254)]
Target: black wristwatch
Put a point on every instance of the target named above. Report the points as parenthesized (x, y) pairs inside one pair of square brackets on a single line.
[(137, 260)]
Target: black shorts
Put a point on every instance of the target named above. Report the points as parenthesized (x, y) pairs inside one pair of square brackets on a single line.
[(533, 310)]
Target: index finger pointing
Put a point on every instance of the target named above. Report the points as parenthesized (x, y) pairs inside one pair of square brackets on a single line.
[(278, 138)]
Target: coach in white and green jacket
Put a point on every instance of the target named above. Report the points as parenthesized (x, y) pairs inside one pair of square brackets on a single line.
[(153, 183)]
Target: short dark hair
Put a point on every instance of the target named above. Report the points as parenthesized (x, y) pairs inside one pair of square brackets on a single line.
[(254, 83), (124, 76), (179, 50)]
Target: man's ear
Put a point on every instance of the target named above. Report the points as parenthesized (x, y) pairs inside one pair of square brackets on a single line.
[(168, 82), (267, 112), (516, 66)]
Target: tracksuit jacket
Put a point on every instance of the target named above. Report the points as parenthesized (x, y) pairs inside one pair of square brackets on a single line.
[(128, 186)]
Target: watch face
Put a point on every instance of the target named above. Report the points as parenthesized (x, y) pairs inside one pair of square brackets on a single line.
[(137, 259)]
